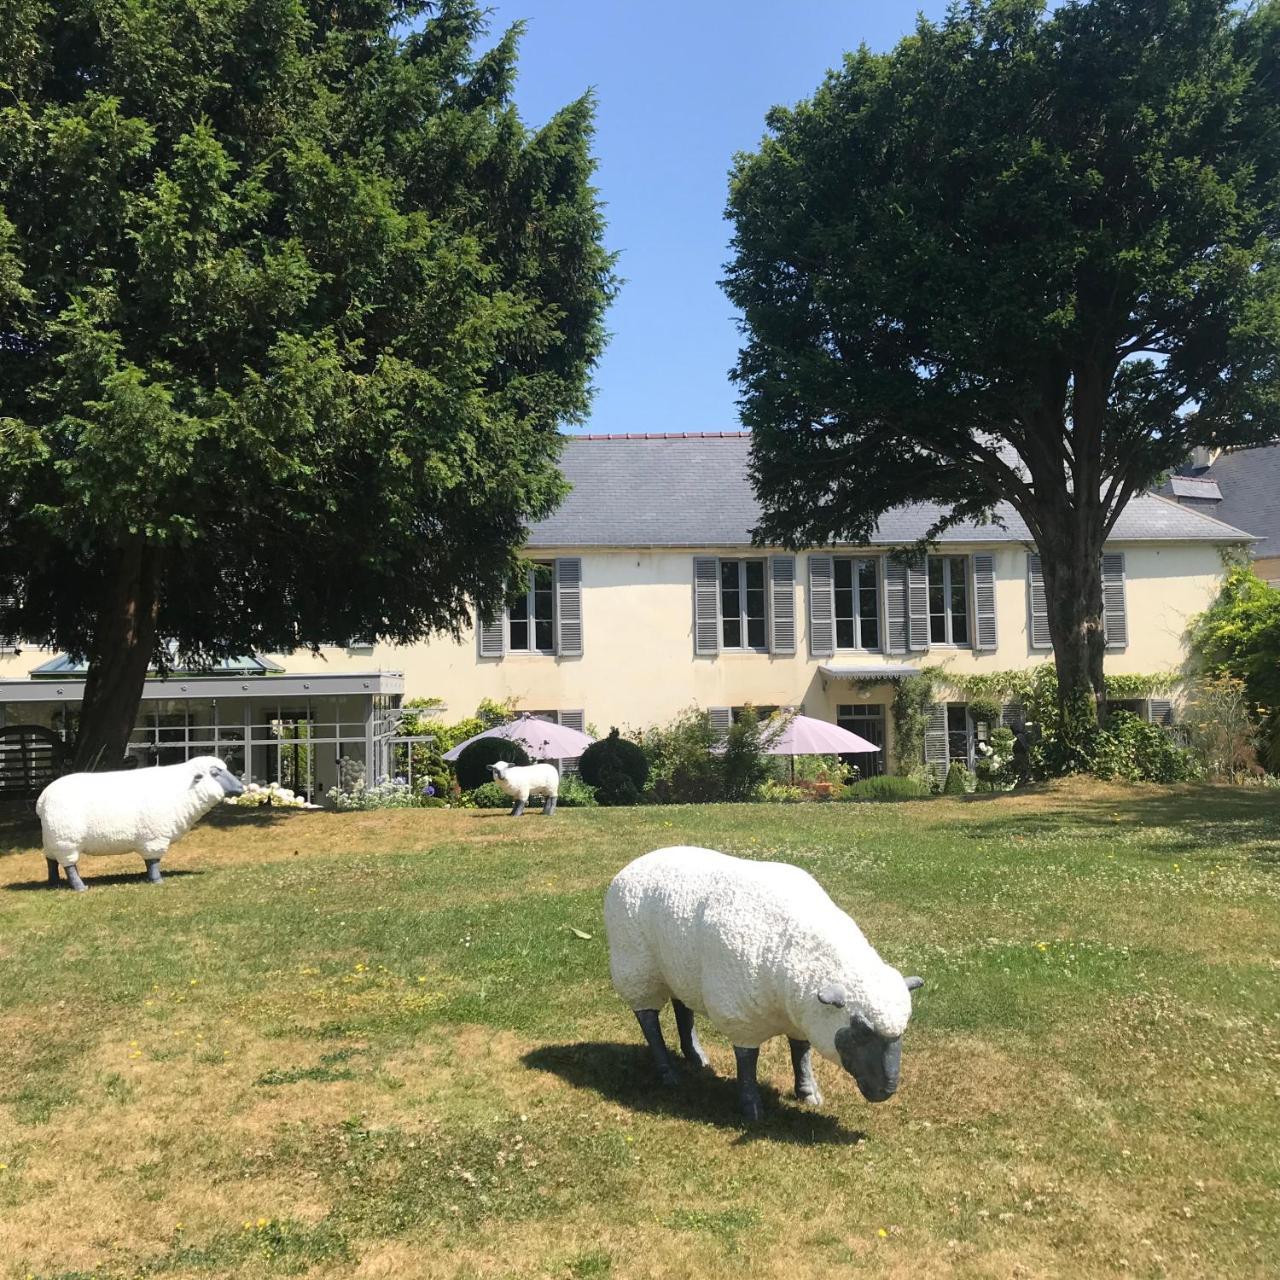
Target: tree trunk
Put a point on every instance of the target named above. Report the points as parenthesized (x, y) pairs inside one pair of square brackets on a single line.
[(1072, 572), (124, 643)]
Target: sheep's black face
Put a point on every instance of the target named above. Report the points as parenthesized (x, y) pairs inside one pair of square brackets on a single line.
[(230, 784), (874, 1061)]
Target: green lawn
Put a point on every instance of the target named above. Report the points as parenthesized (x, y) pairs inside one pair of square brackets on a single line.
[(363, 1045)]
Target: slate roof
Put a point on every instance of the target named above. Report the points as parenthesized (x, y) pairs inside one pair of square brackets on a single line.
[(1250, 483), (692, 490)]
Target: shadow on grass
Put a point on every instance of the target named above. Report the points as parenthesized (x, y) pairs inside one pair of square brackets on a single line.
[(262, 815), (623, 1073), (116, 877)]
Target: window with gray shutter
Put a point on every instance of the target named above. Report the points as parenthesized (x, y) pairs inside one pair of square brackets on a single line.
[(569, 606), (1160, 711), (706, 605), (574, 720), (782, 604), (721, 718), (822, 611), (936, 755), (491, 636), (1115, 622), (917, 606), (1012, 716), (1037, 605), (895, 605), (984, 601)]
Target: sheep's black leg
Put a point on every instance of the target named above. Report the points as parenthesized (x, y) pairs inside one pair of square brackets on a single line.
[(802, 1063), (689, 1045), (73, 879), (53, 872), (652, 1028), (517, 809), (748, 1090), (548, 806), (153, 871)]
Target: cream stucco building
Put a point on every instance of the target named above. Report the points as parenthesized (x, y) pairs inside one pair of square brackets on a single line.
[(645, 597)]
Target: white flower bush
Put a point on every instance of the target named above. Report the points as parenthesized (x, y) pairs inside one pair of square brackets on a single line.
[(273, 796)]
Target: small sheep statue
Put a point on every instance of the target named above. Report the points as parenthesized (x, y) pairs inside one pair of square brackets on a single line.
[(134, 809), (520, 781), (763, 951)]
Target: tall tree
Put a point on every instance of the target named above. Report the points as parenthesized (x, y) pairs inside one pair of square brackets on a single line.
[(292, 307), (1027, 257)]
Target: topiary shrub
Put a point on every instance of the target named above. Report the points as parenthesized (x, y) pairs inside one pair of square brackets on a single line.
[(472, 766), (959, 780), (489, 796), (616, 768), (887, 787)]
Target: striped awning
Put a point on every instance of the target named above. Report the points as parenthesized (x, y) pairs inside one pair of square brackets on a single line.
[(882, 671)]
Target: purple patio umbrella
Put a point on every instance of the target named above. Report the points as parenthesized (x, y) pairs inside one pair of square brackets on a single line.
[(542, 739), (805, 736)]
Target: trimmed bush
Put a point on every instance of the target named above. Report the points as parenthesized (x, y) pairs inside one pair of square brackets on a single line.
[(616, 768), (959, 780), (886, 787), (472, 766), (489, 796)]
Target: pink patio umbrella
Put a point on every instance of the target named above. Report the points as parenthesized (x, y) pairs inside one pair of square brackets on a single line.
[(805, 736), (542, 739)]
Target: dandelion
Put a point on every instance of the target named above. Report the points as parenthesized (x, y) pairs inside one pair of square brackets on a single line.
[(195, 982), (883, 1234), (1042, 946), (262, 1222)]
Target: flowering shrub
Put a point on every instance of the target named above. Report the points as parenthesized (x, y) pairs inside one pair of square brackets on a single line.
[(389, 793), (994, 768), (273, 796)]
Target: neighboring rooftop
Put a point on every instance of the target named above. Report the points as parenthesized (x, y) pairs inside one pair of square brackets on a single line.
[(688, 490), (1245, 484)]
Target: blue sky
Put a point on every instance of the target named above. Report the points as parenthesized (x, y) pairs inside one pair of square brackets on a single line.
[(680, 88)]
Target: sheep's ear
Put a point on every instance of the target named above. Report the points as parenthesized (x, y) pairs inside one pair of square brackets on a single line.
[(914, 983), (195, 777), (831, 994)]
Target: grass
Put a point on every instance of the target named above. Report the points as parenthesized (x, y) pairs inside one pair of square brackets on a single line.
[(363, 1045)]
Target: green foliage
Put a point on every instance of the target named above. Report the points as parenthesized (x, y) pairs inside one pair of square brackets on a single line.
[(576, 794), (959, 780), (616, 768), (488, 796), (682, 768), (996, 262), (1133, 750), (911, 701), (886, 787), (744, 765), (294, 308), (996, 768), (1239, 637), (1224, 733), (773, 791), (472, 766)]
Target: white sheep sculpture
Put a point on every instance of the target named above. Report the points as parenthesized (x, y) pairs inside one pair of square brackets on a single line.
[(520, 781), (762, 950), (129, 809)]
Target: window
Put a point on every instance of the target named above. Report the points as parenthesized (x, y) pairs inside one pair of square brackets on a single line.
[(959, 735), (948, 600), (857, 604), (533, 612), (867, 721), (742, 605)]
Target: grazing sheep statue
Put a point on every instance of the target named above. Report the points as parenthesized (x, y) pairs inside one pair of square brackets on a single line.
[(142, 809), (520, 781), (763, 951)]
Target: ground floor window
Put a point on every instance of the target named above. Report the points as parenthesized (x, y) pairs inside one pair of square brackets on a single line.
[(959, 733), (867, 721)]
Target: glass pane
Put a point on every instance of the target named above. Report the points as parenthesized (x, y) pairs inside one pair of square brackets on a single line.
[(733, 633), (867, 574), (731, 603), (519, 607), (844, 633), (937, 628), (543, 577), (870, 633), (755, 575), (935, 572), (755, 633), (844, 575), (544, 633), (519, 633)]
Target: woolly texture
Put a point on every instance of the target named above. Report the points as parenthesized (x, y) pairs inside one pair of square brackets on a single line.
[(522, 781), (131, 809), (750, 944)]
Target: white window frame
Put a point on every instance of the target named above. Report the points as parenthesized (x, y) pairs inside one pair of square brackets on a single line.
[(741, 562), (836, 619), (530, 618), (947, 582)]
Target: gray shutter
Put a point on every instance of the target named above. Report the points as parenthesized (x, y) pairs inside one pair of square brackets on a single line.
[(1012, 716), (492, 636), (1160, 711), (782, 604), (569, 606), (984, 601), (1115, 622), (895, 606), (917, 605), (574, 720), (935, 741), (706, 605), (822, 606), (721, 719), (1037, 605)]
